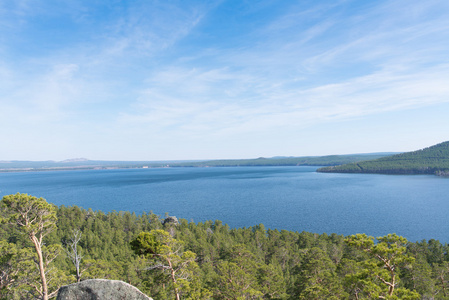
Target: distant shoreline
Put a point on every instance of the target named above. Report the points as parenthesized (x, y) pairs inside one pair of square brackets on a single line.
[(133, 168), (68, 165)]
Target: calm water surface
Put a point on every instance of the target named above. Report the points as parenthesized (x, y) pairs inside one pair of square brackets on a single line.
[(292, 198)]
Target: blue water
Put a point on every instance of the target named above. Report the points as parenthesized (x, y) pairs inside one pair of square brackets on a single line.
[(292, 198)]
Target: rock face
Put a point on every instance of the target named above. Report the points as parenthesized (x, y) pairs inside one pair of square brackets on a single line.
[(99, 289), (171, 220)]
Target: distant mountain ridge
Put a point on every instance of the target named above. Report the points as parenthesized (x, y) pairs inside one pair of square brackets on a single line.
[(328, 160), (431, 160), (85, 164), (74, 160)]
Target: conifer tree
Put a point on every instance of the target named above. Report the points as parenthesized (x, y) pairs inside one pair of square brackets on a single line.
[(167, 254), (35, 218), (388, 255)]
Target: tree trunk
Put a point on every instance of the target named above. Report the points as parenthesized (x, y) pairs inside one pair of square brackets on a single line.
[(173, 278), (391, 289), (443, 285), (77, 266), (41, 267)]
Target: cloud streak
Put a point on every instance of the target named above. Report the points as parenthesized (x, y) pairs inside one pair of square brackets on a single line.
[(168, 70)]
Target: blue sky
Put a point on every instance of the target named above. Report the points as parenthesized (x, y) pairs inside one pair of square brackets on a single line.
[(161, 80)]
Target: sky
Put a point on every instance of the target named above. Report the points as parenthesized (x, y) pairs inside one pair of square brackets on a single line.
[(175, 80)]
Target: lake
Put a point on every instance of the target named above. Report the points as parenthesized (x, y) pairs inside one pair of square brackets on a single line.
[(292, 198)]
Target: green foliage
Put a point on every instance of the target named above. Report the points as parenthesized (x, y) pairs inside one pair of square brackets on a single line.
[(166, 254), (14, 265), (146, 244), (210, 260), (418, 277), (441, 276), (35, 216), (102, 269), (432, 160), (388, 255), (317, 277)]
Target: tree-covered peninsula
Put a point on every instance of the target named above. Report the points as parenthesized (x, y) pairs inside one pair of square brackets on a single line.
[(431, 160), (43, 247)]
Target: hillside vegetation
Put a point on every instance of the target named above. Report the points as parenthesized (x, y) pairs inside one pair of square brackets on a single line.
[(432, 160)]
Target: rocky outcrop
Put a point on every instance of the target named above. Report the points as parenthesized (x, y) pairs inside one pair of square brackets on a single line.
[(443, 173), (171, 220), (99, 289)]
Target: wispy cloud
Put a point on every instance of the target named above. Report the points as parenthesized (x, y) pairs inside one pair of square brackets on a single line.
[(176, 69), (212, 112), (385, 72)]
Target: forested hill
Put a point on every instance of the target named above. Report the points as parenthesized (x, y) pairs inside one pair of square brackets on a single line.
[(432, 160)]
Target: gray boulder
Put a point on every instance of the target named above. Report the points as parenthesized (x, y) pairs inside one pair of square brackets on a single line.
[(99, 289), (171, 220)]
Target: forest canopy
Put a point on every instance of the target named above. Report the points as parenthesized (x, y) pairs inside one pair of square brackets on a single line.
[(431, 160), (170, 259)]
